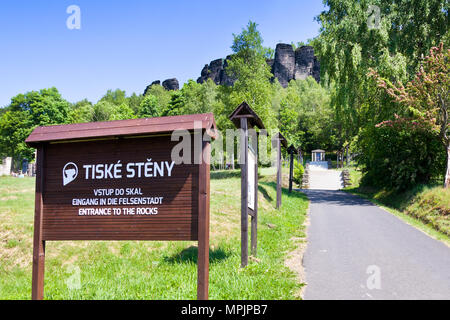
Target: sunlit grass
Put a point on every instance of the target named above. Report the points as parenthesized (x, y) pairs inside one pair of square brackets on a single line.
[(156, 270)]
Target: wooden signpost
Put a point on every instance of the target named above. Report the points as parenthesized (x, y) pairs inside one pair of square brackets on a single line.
[(277, 141), (244, 118), (291, 151), (117, 181)]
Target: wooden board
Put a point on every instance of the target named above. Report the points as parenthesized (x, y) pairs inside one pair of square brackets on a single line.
[(165, 202)]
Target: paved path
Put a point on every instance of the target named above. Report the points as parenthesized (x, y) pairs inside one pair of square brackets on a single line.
[(349, 237), (325, 179)]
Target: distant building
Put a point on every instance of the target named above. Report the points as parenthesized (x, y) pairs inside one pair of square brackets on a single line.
[(5, 166)]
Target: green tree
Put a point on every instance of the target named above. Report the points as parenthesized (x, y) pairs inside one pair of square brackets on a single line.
[(248, 66), (81, 111), (26, 112), (134, 102), (116, 97), (103, 111), (426, 97), (350, 44), (122, 112), (162, 95), (149, 107)]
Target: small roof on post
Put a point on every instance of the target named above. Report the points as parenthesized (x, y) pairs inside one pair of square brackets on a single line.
[(244, 111), (122, 128), (279, 136), (292, 149)]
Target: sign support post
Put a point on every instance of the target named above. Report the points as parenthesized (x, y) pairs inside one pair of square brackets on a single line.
[(279, 140), (244, 192), (203, 224), (37, 288), (243, 118), (291, 150)]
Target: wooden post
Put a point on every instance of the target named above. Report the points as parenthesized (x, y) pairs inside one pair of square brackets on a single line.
[(203, 224), (244, 118), (291, 171), (37, 287), (244, 192), (346, 156), (254, 217), (278, 173)]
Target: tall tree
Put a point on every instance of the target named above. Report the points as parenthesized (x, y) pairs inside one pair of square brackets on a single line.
[(248, 66), (427, 95), (26, 112), (356, 36)]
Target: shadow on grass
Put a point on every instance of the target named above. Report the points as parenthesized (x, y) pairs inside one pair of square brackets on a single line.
[(264, 192), (225, 174), (190, 255), (284, 191)]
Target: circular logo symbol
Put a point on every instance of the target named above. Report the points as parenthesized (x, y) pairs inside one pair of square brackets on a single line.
[(70, 172)]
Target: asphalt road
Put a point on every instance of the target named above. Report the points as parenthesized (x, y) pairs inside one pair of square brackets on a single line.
[(358, 251)]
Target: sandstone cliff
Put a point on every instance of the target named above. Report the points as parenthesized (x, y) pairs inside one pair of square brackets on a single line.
[(286, 66)]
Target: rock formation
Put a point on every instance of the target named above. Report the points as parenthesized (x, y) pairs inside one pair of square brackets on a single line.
[(286, 66), (306, 64), (171, 84), (216, 71)]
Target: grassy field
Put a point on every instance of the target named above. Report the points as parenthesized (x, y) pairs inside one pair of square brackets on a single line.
[(157, 270), (425, 207)]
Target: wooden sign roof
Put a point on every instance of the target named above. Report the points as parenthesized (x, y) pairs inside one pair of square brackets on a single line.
[(244, 111), (121, 128), (292, 149), (281, 138)]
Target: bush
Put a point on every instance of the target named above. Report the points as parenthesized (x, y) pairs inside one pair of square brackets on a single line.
[(398, 154), (298, 173)]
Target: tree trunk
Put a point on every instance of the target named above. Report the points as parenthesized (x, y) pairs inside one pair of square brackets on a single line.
[(447, 174)]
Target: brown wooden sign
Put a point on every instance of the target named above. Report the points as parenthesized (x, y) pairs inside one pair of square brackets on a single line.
[(120, 182)]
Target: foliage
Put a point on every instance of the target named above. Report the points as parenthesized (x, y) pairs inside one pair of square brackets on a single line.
[(426, 96), (149, 107), (306, 118), (398, 154), (81, 111), (298, 173), (248, 66), (162, 96), (26, 112), (348, 46), (122, 112)]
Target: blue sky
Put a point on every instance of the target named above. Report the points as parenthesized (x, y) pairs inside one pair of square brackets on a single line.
[(129, 44)]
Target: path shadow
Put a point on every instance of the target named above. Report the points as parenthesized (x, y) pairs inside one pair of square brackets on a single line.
[(335, 197), (190, 255)]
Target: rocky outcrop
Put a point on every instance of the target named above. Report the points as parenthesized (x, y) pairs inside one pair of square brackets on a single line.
[(287, 65), (216, 72), (306, 64), (284, 64), (157, 82), (171, 84)]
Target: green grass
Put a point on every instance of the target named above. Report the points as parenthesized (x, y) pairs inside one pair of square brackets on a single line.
[(156, 270), (425, 207)]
